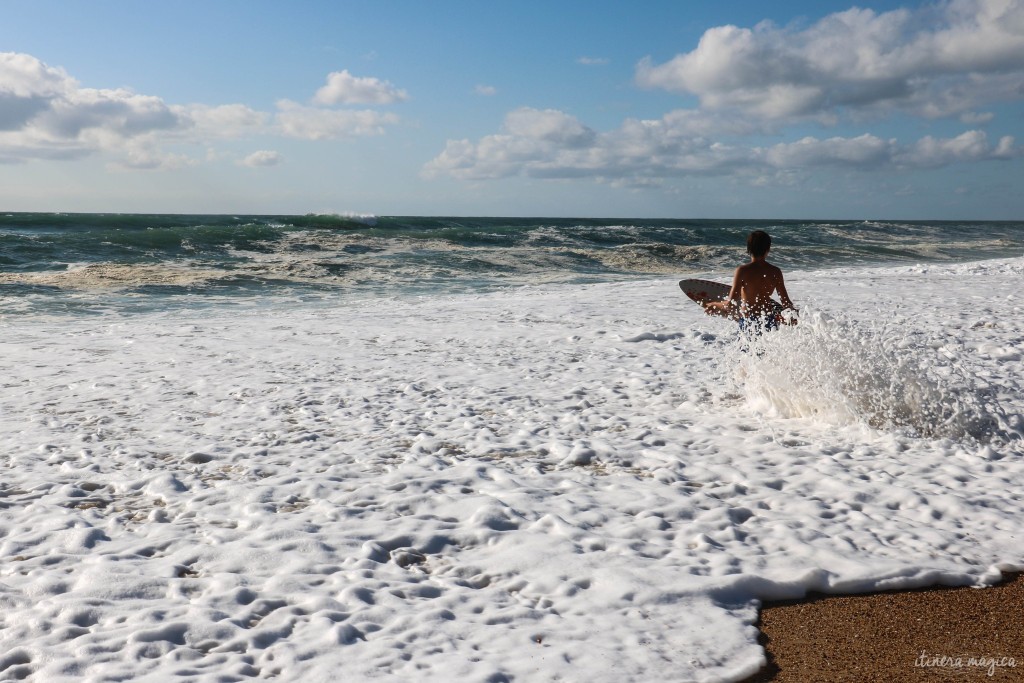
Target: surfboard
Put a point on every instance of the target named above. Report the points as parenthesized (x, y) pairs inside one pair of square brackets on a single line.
[(703, 291), (706, 291)]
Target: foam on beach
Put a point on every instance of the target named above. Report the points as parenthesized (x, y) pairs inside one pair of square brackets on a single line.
[(577, 482)]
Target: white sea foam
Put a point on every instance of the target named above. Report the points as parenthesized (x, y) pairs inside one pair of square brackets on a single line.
[(100, 276), (586, 483)]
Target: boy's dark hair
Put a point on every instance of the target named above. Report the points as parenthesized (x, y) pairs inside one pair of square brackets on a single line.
[(758, 243)]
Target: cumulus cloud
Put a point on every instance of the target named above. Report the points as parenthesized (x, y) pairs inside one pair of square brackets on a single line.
[(935, 61), (976, 118), (261, 158), (24, 76), (224, 121), (46, 114), (143, 157), (864, 151), (344, 88), (313, 123), (27, 87), (548, 125), (552, 144), (973, 145), (118, 112)]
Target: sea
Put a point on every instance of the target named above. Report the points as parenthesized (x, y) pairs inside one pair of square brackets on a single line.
[(68, 263), (323, 448)]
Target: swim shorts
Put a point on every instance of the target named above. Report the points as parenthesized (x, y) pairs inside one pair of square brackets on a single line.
[(758, 323)]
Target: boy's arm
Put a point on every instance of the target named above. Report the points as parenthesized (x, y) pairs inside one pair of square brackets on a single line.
[(783, 294), (737, 285), (725, 307)]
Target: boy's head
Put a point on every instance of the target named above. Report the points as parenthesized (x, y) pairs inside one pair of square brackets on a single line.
[(758, 243)]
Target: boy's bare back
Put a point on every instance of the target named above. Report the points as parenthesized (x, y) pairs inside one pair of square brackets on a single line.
[(753, 285)]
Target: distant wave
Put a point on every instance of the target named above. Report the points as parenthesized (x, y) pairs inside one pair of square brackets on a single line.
[(340, 219), (366, 254)]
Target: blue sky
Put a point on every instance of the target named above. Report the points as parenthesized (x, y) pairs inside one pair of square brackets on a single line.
[(653, 109)]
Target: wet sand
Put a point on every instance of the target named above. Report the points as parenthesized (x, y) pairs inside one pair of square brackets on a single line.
[(923, 635)]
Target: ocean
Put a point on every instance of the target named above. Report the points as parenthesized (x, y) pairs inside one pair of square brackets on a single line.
[(328, 448), (91, 262)]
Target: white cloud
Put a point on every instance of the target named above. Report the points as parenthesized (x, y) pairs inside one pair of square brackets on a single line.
[(593, 61), (23, 75), (864, 151), (548, 125), (225, 121), (262, 158), (118, 112), (27, 87), (485, 90), (934, 61), (552, 144), (140, 156), (313, 123), (697, 123), (973, 145), (45, 114), (976, 118), (344, 88)]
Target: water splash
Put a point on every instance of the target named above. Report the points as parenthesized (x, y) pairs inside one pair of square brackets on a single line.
[(883, 373)]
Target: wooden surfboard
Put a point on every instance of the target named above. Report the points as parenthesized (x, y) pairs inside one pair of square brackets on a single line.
[(706, 291)]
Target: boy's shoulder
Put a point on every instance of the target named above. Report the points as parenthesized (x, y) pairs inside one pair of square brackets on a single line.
[(758, 266)]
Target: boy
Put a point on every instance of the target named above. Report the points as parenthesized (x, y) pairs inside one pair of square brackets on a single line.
[(753, 284)]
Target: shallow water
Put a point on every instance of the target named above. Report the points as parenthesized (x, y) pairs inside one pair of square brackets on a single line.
[(591, 482)]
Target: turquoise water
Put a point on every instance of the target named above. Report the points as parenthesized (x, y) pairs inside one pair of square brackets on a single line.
[(96, 262)]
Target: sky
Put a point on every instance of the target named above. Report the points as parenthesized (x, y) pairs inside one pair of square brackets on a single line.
[(583, 108)]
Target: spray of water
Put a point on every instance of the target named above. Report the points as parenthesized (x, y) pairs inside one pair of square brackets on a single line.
[(885, 374)]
